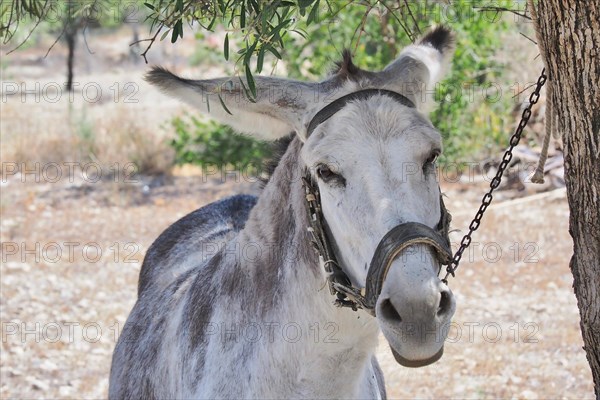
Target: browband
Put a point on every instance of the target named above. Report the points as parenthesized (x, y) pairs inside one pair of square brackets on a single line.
[(327, 112)]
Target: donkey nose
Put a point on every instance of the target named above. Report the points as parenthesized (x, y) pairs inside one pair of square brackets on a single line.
[(388, 312), (445, 303), (436, 306)]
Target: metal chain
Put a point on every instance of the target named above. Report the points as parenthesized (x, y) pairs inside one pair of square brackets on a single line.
[(488, 197)]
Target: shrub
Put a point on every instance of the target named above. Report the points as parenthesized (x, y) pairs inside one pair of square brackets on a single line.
[(209, 144), (472, 125)]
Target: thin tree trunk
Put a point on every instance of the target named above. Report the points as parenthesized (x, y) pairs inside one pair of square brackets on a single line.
[(71, 38), (71, 28), (570, 43)]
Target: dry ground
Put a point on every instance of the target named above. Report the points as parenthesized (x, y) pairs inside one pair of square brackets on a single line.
[(516, 332)]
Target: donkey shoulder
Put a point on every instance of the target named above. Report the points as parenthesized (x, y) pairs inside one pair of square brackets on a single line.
[(170, 254)]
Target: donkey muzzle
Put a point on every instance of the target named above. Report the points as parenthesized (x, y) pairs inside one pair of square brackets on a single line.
[(389, 248), (405, 362)]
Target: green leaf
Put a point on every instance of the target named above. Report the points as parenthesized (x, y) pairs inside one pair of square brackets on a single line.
[(275, 52), (243, 16), (285, 11), (255, 6), (260, 59), (226, 46), (223, 6), (164, 35), (278, 28), (150, 6), (313, 15), (251, 83), (301, 33), (249, 52), (302, 4), (209, 27), (223, 104), (246, 92), (177, 31)]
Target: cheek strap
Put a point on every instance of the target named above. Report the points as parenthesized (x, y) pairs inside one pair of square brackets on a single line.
[(388, 249)]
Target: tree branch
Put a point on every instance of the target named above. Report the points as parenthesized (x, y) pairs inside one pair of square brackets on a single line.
[(151, 40), (56, 41), (30, 32), (503, 9), (410, 35)]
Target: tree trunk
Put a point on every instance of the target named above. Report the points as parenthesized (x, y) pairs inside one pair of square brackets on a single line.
[(71, 25), (569, 34), (71, 38)]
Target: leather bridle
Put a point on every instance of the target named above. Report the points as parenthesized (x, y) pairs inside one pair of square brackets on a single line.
[(391, 245)]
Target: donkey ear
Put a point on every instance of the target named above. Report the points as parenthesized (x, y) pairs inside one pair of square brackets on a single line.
[(420, 66), (278, 109)]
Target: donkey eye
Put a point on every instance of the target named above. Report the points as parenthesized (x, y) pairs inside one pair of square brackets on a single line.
[(432, 158), (327, 175)]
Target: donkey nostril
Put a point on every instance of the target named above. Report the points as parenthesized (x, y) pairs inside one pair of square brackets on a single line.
[(445, 303), (388, 311)]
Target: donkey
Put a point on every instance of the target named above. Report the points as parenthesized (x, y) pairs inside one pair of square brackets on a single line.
[(241, 298)]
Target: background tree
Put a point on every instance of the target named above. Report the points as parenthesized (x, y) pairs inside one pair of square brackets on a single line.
[(71, 26), (569, 39), (68, 20)]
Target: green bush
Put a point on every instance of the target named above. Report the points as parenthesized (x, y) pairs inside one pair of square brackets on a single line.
[(209, 144), (473, 125), (472, 108)]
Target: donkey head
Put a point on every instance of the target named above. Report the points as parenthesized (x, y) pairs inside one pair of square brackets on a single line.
[(373, 160)]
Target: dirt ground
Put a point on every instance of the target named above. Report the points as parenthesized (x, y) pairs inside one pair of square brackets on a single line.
[(72, 246), (515, 333)]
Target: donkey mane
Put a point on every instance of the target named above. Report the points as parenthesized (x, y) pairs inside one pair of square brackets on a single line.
[(278, 149), (347, 70)]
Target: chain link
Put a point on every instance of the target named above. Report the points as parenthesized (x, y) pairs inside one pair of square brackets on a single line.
[(488, 197)]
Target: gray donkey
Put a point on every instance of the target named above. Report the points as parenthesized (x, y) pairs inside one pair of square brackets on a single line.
[(285, 295)]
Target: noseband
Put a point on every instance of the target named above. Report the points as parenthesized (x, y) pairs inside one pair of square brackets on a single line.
[(390, 246)]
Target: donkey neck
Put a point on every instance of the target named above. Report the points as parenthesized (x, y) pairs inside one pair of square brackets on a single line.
[(330, 346)]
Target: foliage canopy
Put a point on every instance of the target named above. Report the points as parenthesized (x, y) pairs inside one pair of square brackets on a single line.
[(310, 35)]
